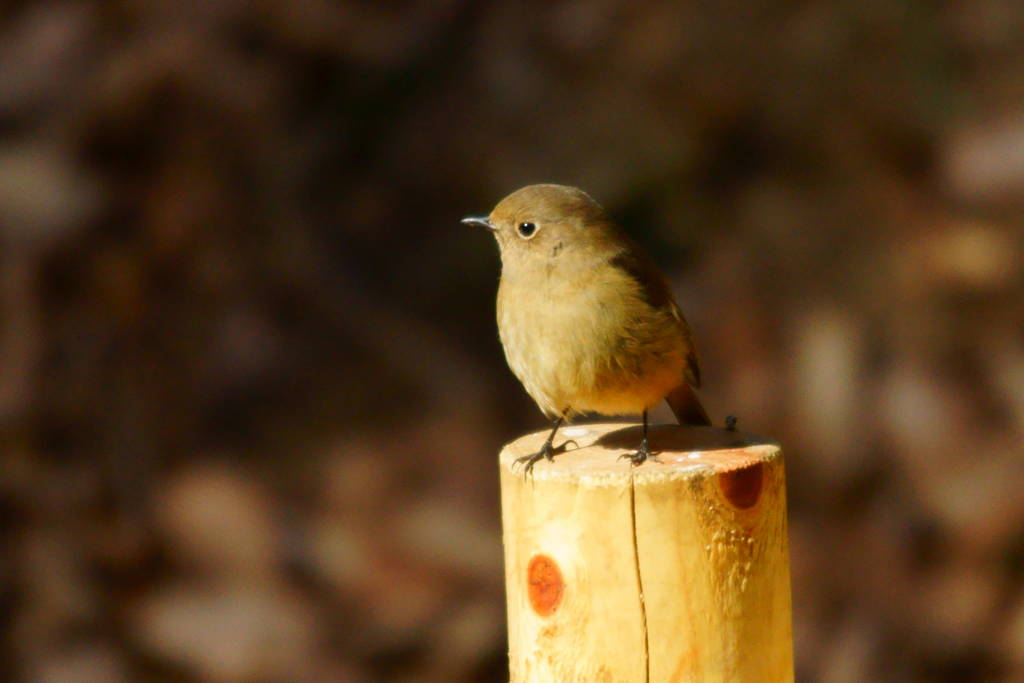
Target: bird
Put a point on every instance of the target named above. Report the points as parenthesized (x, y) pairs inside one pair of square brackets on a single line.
[(587, 322)]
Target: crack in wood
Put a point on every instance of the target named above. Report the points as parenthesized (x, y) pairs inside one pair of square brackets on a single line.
[(639, 578)]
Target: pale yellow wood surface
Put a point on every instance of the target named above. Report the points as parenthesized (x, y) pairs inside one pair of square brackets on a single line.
[(671, 571)]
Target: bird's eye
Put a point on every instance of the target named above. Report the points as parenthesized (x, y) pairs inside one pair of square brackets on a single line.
[(526, 230)]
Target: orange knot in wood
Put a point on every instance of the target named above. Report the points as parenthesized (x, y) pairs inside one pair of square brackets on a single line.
[(742, 487), (545, 585)]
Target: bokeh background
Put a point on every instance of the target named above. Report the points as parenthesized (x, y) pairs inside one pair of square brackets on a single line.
[(251, 390)]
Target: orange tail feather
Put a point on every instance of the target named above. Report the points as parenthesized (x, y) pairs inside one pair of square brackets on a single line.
[(684, 403)]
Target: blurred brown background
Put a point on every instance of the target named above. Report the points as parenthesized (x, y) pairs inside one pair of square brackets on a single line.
[(251, 390)]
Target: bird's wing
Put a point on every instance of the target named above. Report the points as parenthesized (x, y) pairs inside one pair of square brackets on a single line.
[(657, 294)]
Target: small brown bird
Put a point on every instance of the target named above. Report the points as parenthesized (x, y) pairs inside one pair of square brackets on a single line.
[(587, 322)]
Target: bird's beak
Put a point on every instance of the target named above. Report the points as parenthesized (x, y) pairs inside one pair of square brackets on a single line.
[(478, 221)]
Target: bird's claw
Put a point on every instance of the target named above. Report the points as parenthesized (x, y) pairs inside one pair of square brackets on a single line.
[(546, 452), (642, 455)]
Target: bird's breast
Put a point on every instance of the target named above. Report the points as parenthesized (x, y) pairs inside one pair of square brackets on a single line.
[(586, 341)]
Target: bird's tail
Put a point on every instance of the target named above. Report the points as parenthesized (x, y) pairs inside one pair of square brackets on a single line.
[(684, 403)]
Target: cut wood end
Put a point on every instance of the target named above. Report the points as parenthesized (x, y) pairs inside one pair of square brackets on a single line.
[(682, 452)]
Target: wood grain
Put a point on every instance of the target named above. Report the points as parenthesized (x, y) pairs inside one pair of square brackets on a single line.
[(677, 570)]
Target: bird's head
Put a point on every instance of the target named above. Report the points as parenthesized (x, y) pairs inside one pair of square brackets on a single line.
[(544, 222)]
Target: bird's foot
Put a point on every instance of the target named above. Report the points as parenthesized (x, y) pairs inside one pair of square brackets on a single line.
[(642, 454), (546, 452)]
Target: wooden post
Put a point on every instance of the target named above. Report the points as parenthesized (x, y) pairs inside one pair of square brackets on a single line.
[(671, 571)]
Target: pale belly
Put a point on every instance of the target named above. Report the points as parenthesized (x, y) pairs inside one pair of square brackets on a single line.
[(573, 356)]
